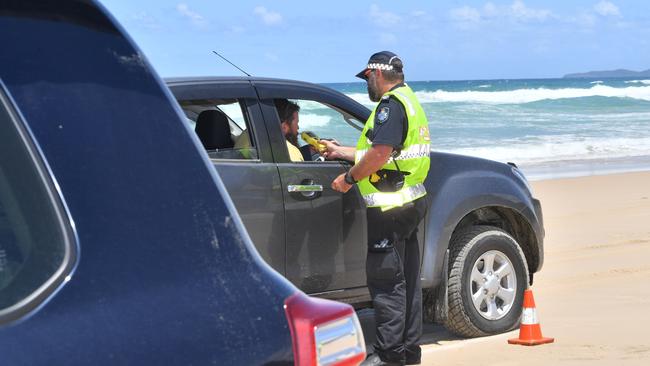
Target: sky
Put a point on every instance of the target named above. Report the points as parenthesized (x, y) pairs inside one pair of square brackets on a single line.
[(330, 41)]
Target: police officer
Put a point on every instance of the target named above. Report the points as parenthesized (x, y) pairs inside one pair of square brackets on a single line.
[(391, 162)]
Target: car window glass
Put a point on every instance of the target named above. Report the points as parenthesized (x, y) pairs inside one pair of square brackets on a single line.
[(35, 252), (223, 127), (325, 122)]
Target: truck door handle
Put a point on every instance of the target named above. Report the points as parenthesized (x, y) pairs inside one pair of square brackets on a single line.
[(307, 188)]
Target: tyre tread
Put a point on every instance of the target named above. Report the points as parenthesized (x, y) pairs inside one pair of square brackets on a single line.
[(457, 320)]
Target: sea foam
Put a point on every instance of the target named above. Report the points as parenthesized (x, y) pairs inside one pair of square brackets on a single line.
[(522, 96), (646, 82), (547, 149), (310, 120)]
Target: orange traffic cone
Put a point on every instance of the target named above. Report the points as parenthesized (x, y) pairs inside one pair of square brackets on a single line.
[(530, 333)]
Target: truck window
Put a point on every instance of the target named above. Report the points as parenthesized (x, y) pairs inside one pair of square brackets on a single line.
[(327, 122), (36, 249), (223, 127)]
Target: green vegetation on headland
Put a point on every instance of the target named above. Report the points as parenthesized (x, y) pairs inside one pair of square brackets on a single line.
[(620, 73)]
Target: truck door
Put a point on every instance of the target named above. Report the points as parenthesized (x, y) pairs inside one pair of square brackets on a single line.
[(326, 230)]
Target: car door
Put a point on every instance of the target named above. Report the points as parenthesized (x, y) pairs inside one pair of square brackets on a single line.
[(244, 159), (325, 229)]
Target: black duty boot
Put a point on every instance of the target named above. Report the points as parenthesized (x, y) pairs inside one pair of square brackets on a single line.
[(413, 361), (413, 355), (374, 360)]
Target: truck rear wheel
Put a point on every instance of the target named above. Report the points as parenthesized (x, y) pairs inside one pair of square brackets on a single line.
[(487, 278)]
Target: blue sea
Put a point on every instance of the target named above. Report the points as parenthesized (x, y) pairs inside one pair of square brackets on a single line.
[(549, 127)]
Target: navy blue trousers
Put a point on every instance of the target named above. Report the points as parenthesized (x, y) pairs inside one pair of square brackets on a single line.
[(393, 276)]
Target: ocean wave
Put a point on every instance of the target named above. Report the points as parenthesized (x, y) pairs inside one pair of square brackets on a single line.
[(596, 82), (310, 105), (484, 86), (362, 98), (551, 148), (646, 82), (521, 96), (309, 120)]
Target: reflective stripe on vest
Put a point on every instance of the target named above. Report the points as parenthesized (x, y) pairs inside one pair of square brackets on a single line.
[(412, 152), (395, 199)]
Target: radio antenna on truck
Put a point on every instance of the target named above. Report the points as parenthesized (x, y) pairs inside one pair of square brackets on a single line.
[(225, 59)]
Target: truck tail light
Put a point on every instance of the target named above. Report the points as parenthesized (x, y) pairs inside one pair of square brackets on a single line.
[(324, 332)]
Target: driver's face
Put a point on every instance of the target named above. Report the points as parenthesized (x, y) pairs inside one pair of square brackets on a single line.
[(290, 128)]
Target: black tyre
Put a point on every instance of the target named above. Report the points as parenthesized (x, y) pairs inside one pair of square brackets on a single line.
[(487, 278)]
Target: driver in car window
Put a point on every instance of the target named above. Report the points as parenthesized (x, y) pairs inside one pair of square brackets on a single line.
[(288, 113)]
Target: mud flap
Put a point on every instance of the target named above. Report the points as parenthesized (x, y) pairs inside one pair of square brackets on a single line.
[(441, 304)]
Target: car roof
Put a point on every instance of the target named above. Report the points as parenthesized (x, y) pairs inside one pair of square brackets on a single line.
[(251, 79), (172, 81), (269, 86)]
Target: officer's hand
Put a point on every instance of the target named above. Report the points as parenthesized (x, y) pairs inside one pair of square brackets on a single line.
[(333, 151), (340, 185)]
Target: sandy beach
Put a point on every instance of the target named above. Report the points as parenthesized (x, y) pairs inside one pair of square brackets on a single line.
[(593, 293)]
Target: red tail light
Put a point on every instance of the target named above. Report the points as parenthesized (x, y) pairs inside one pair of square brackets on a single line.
[(324, 332)]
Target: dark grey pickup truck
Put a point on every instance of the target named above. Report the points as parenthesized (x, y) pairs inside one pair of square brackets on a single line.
[(482, 239)]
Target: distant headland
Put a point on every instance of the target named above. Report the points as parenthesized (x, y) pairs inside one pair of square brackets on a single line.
[(620, 73)]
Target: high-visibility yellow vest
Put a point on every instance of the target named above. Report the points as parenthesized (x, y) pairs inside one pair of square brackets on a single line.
[(414, 157)]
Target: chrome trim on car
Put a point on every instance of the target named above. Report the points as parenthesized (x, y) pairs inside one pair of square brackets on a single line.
[(304, 188)]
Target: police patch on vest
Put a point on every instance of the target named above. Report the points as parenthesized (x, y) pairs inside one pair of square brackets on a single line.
[(382, 116)]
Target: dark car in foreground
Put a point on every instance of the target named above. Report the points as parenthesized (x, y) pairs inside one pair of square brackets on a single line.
[(482, 239), (118, 242)]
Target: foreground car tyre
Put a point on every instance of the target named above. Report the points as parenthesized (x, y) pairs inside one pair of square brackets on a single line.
[(487, 278)]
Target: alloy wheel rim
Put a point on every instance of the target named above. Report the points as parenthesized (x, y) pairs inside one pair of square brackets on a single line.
[(493, 285)]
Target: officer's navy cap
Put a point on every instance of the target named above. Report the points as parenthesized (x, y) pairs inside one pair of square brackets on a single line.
[(384, 60)]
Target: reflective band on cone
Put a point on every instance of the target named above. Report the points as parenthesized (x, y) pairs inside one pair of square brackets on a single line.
[(530, 332), (529, 317)]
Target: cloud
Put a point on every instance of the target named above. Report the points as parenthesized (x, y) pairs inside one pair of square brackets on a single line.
[(605, 8), (194, 17), (466, 17), (268, 17), (490, 10), (588, 19), (466, 14), (383, 18), (585, 19), (237, 29), (388, 38), (518, 11), (146, 20)]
